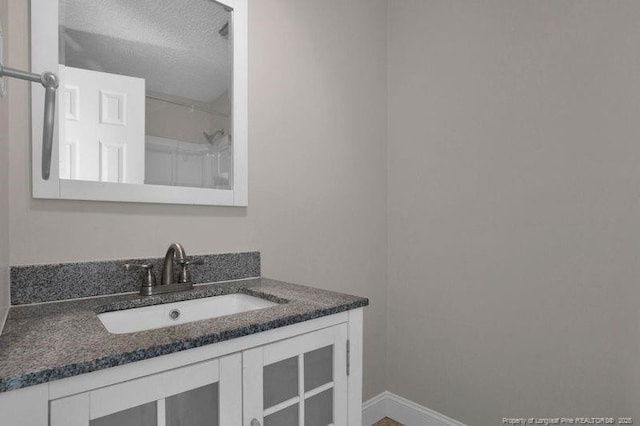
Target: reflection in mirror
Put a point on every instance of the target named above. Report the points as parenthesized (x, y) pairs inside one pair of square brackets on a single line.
[(146, 92)]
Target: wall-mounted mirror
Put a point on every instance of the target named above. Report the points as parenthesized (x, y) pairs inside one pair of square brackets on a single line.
[(152, 103)]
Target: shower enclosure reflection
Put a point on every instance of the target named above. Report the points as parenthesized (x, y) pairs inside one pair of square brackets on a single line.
[(146, 92)]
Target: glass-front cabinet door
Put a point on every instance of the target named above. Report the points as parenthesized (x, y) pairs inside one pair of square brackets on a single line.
[(300, 381), (203, 394)]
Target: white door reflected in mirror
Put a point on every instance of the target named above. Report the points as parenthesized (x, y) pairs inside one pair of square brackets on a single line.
[(102, 127)]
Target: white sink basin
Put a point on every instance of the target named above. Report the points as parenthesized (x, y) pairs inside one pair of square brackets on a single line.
[(168, 314)]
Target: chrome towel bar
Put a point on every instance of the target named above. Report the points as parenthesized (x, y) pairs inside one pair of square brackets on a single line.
[(50, 82)]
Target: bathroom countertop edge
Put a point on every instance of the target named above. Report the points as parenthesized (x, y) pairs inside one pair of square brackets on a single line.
[(53, 341)]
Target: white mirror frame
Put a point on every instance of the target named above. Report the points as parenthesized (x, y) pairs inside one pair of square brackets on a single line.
[(44, 57)]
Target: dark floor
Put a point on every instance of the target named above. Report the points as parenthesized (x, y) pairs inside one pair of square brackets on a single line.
[(387, 422)]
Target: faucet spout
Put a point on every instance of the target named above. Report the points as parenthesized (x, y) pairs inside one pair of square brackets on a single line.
[(175, 252)]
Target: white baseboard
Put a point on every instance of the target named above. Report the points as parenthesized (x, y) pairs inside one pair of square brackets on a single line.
[(402, 410), (375, 409)]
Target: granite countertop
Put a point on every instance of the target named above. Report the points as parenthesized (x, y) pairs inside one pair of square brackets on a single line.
[(51, 341)]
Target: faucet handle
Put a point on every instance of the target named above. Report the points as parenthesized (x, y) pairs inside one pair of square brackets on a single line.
[(129, 266), (150, 279), (184, 276)]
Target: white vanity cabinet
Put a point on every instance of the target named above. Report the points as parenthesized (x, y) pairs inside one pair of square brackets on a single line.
[(305, 374)]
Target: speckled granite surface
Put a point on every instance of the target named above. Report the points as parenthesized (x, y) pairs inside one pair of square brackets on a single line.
[(47, 342), (46, 283)]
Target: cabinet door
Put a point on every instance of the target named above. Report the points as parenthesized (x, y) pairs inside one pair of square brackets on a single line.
[(204, 394), (300, 381)]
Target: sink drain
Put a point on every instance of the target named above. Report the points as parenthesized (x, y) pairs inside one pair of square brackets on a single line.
[(174, 314)]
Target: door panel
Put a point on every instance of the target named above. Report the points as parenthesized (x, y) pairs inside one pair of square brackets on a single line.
[(196, 407), (286, 417), (280, 382), (109, 135), (112, 157), (142, 415), (300, 381), (319, 368), (318, 409)]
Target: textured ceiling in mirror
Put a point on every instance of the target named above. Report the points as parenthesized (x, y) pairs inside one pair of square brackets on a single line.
[(174, 44)]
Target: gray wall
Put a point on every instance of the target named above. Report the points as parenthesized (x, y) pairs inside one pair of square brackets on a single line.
[(317, 206), (514, 216), (4, 180)]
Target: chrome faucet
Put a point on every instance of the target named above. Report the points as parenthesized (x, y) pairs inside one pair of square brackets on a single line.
[(175, 251), (168, 284)]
